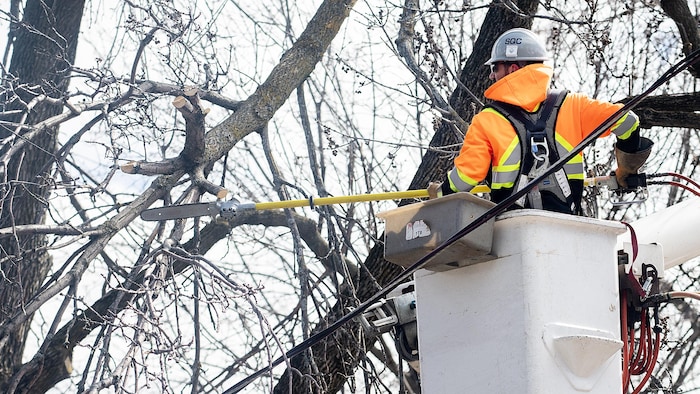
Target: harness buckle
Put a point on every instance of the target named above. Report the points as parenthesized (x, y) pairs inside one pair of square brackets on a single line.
[(540, 150)]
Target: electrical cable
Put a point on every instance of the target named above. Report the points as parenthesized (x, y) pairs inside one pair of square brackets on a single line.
[(624, 330), (652, 362), (649, 344), (675, 175), (402, 380), (677, 184), (643, 360), (674, 70), (647, 351), (640, 362), (684, 294)]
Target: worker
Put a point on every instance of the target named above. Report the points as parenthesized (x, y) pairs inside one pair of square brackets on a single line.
[(528, 126)]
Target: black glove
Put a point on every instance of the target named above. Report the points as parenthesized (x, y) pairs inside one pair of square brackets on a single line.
[(630, 161)]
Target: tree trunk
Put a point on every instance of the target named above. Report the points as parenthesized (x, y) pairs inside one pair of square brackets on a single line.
[(44, 48)]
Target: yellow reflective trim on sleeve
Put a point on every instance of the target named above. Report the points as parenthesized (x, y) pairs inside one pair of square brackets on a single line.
[(467, 179), (460, 182), (627, 125), (452, 185)]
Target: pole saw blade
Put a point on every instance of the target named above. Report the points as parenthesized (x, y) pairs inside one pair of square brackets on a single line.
[(181, 211)]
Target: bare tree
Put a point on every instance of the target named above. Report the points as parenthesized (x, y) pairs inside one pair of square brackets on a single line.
[(181, 103), (34, 88)]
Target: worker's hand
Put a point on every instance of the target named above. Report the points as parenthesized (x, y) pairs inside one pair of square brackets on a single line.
[(630, 162), (621, 175), (434, 190)]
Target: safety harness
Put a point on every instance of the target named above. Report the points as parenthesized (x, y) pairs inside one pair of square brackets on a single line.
[(537, 151)]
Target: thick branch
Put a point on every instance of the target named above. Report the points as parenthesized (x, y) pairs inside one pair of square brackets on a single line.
[(191, 109), (190, 158), (165, 167), (669, 111), (147, 86), (308, 230), (651, 117), (687, 25), (35, 229), (294, 67), (201, 181)]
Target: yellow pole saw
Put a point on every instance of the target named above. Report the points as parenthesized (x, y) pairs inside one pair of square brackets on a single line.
[(228, 209)]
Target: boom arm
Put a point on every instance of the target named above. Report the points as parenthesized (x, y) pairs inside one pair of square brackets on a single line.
[(675, 229)]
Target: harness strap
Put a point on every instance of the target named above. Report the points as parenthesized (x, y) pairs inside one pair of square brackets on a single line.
[(537, 146)]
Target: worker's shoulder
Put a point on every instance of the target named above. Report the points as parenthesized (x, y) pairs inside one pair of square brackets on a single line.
[(489, 115), (578, 99), (487, 124)]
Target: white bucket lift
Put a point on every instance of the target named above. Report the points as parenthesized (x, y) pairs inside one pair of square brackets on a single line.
[(540, 315)]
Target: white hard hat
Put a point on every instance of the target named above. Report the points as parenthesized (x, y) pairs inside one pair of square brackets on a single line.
[(518, 45)]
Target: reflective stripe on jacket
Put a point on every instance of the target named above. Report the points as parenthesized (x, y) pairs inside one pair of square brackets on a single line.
[(492, 143)]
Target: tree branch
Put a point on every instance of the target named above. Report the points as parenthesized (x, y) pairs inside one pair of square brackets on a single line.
[(191, 109), (52, 367), (687, 24), (294, 67), (35, 229), (678, 110)]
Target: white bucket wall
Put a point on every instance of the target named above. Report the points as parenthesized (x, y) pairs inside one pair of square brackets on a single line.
[(542, 317)]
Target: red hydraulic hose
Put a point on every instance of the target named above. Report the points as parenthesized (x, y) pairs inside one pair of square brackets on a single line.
[(638, 365), (625, 348), (676, 175), (685, 294), (677, 184), (654, 357)]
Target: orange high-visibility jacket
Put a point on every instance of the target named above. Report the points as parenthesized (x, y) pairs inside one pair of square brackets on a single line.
[(491, 142)]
